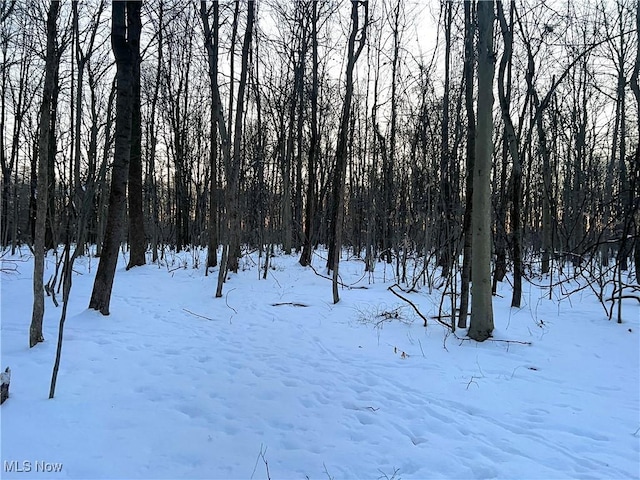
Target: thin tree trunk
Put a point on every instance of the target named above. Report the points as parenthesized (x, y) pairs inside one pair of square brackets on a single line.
[(469, 35), (50, 238), (152, 136), (504, 75), (305, 258), (445, 259), (35, 330), (231, 253), (635, 170), (211, 45), (343, 132)]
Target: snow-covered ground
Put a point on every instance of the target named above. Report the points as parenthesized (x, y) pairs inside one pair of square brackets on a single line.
[(275, 381)]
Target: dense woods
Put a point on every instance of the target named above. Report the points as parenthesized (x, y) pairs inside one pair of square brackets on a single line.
[(169, 125)]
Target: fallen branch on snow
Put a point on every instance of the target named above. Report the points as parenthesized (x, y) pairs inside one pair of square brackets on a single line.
[(197, 315), (344, 285), (415, 308), (520, 342)]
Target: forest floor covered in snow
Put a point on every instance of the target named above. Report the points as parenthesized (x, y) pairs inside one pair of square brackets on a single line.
[(274, 381)]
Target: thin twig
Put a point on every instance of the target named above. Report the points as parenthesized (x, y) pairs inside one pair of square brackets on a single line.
[(464, 339), (344, 285), (226, 300), (196, 315)]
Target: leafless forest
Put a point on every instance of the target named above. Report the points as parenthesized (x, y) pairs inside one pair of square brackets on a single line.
[(465, 143)]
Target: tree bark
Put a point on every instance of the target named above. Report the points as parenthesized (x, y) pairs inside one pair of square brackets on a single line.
[(635, 170), (122, 36), (481, 325), (469, 36), (307, 249), (211, 46), (514, 153), (137, 238), (35, 330)]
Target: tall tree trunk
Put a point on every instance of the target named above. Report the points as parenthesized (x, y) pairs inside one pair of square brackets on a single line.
[(35, 330), (635, 170), (481, 325), (231, 252), (211, 45), (305, 258), (124, 32), (445, 259), (298, 234), (343, 133), (50, 237), (222, 131), (152, 141), (469, 35), (504, 88), (137, 238)]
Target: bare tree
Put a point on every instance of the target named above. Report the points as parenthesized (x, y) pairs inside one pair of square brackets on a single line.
[(125, 36), (305, 257), (511, 139), (211, 45), (469, 63), (635, 170), (232, 162), (354, 49), (35, 330), (137, 238), (481, 325)]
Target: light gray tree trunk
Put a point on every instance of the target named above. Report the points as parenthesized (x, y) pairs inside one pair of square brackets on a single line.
[(481, 325)]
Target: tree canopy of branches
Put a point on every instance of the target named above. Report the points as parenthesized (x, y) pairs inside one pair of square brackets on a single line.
[(263, 124)]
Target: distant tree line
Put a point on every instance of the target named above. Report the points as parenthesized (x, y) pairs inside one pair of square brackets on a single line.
[(172, 125)]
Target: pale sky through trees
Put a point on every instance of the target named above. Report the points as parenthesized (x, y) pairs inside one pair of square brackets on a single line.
[(320, 239)]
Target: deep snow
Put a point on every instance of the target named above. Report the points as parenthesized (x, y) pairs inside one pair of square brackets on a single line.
[(262, 388)]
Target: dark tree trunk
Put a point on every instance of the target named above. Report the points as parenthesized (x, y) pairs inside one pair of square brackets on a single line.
[(35, 330), (211, 45), (635, 167), (152, 189), (504, 96), (137, 238), (305, 258), (445, 254), (122, 38), (232, 161), (50, 239), (343, 140), (233, 204), (470, 161)]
